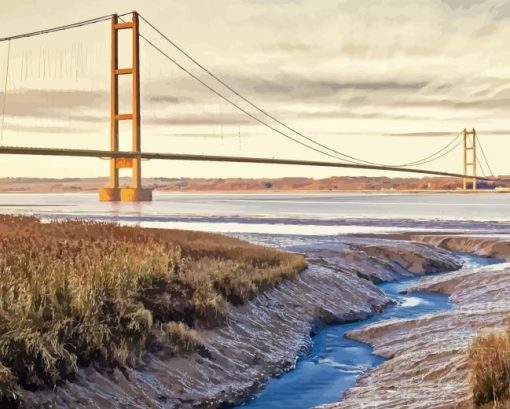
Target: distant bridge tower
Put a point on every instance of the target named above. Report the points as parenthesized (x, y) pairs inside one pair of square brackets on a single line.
[(114, 192), (470, 159)]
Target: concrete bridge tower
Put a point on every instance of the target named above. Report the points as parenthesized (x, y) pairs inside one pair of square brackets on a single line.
[(470, 159), (134, 193)]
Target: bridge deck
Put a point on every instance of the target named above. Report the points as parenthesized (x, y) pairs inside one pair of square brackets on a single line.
[(91, 153)]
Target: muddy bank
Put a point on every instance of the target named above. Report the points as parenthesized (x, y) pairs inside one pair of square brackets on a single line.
[(263, 337), (428, 356), (483, 245)]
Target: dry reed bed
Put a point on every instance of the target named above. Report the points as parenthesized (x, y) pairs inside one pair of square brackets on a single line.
[(489, 364), (77, 293)]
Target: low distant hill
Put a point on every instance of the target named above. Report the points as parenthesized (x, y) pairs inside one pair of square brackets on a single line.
[(340, 184)]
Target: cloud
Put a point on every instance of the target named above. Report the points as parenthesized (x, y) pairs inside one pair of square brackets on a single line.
[(486, 104), (503, 12), (41, 129), (422, 134), (52, 104), (493, 9), (344, 114), (464, 4), (449, 133), (168, 99), (498, 132), (291, 87), (292, 47), (205, 135), (199, 119)]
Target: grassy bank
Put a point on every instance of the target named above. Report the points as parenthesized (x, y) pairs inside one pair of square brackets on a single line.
[(76, 294), (489, 364)]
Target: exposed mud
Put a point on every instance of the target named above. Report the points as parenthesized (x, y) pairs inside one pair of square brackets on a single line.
[(428, 365), (483, 245), (262, 338)]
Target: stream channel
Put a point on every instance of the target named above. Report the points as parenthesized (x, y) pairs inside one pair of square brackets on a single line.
[(335, 362)]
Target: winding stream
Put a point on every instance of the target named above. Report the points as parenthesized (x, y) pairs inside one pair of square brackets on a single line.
[(335, 362)]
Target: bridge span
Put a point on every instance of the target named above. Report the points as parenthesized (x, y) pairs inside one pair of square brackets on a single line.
[(132, 159), (129, 155)]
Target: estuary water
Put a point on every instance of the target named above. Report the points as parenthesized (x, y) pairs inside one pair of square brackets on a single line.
[(296, 214)]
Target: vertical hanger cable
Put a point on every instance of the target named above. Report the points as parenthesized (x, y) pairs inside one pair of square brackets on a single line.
[(5, 91)]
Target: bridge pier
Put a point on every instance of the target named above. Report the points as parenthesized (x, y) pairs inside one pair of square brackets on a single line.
[(125, 194), (134, 193)]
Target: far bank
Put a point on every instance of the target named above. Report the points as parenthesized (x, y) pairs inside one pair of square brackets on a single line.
[(259, 185)]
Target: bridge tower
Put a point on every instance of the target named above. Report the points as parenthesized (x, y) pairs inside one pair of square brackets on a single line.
[(134, 193), (470, 159)]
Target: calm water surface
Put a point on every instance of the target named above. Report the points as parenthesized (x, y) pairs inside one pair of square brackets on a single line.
[(322, 214)]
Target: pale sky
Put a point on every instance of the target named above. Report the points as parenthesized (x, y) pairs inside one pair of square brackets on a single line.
[(388, 81)]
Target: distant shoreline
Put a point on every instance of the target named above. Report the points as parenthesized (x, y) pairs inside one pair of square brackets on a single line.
[(343, 184), (268, 192)]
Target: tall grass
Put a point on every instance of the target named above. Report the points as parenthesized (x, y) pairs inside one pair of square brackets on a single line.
[(489, 366), (79, 293)]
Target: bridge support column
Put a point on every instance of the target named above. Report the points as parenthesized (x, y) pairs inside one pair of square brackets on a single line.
[(134, 193), (470, 159)]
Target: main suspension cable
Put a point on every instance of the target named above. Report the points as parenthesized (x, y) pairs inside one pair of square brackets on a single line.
[(345, 156), (258, 108), (236, 105), (442, 155), (432, 157), (59, 28)]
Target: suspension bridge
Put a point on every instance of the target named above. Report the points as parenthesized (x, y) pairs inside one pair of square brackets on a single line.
[(132, 159)]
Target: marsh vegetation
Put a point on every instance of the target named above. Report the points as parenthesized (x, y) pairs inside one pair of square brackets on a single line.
[(489, 364), (76, 294)]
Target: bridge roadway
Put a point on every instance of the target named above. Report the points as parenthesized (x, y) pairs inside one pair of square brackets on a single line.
[(90, 153)]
